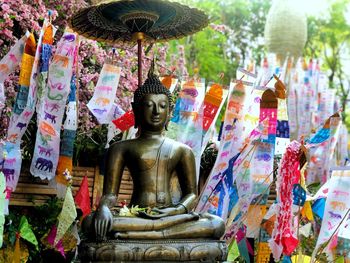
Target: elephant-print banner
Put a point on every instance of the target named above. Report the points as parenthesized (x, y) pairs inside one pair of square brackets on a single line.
[(12, 59), (240, 106), (102, 101), (19, 123), (10, 165), (262, 162), (186, 124), (2, 96), (9, 63), (322, 147), (336, 208), (65, 160), (46, 151)]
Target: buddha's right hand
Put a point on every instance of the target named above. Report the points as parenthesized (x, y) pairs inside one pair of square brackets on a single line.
[(103, 222)]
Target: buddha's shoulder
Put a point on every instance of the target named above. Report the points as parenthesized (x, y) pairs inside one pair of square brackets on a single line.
[(121, 145), (179, 145)]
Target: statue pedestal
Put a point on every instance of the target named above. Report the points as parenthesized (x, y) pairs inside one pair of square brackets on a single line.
[(190, 250)]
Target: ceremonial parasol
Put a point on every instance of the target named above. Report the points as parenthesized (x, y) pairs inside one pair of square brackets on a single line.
[(131, 21)]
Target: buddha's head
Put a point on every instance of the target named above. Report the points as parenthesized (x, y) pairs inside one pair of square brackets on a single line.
[(152, 104)]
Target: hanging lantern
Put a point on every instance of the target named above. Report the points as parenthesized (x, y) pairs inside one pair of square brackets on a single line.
[(285, 29)]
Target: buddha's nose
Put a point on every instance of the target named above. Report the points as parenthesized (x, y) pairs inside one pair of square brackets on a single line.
[(156, 109)]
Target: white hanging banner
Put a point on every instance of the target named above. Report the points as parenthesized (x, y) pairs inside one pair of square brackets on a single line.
[(102, 101), (46, 151), (336, 213), (8, 64)]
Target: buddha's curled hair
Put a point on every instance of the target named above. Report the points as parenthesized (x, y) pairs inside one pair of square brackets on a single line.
[(152, 85)]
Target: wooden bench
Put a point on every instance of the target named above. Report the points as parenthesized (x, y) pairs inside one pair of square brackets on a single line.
[(32, 191)]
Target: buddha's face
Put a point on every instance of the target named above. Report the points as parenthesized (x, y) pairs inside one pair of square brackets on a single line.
[(153, 112)]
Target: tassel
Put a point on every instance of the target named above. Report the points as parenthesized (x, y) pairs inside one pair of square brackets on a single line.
[(17, 252)]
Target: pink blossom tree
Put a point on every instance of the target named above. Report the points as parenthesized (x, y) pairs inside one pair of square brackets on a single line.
[(16, 16)]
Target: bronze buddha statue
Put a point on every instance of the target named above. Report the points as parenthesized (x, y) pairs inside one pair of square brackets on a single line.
[(152, 160)]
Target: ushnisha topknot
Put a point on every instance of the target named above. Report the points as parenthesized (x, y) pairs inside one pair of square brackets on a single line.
[(152, 85)]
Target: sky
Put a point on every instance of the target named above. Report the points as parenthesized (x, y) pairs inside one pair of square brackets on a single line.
[(313, 7)]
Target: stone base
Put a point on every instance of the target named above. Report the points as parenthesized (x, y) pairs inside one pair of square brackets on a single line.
[(154, 251)]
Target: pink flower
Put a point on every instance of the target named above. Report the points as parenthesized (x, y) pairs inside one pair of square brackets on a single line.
[(5, 7)]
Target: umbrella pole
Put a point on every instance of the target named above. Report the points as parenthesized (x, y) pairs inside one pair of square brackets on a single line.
[(139, 61)]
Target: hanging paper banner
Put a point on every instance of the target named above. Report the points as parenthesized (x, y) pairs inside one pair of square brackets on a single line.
[(67, 215), (25, 75), (342, 145), (2, 205), (65, 161), (262, 162), (12, 59), (10, 154), (283, 239), (211, 107), (26, 232), (19, 124), (46, 151), (263, 250), (322, 148), (253, 184), (105, 92), (186, 124), (116, 113), (240, 96), (125, 122), (9, 63), (282, 130), (82, 198), (336, 213), (169, 82), (253, 220)]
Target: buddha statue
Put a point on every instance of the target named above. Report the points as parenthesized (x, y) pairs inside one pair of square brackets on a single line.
[(152, 160)]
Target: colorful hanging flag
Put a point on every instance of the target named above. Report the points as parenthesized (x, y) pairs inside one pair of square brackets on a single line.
[(102, 101), (169, 82), (240, 107), (51, 239), (26, 232), (25, 75), (322, 148), (82, 198), (67, 215), (50, 115), (65, 161), (9, 63), (213, 101), (262, 162), (19, 123), (283, 236), (2, 205), (336, 216), (282, 129), (186, 123)]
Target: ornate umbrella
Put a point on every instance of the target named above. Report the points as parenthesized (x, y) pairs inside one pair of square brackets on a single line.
[(138, 21)]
